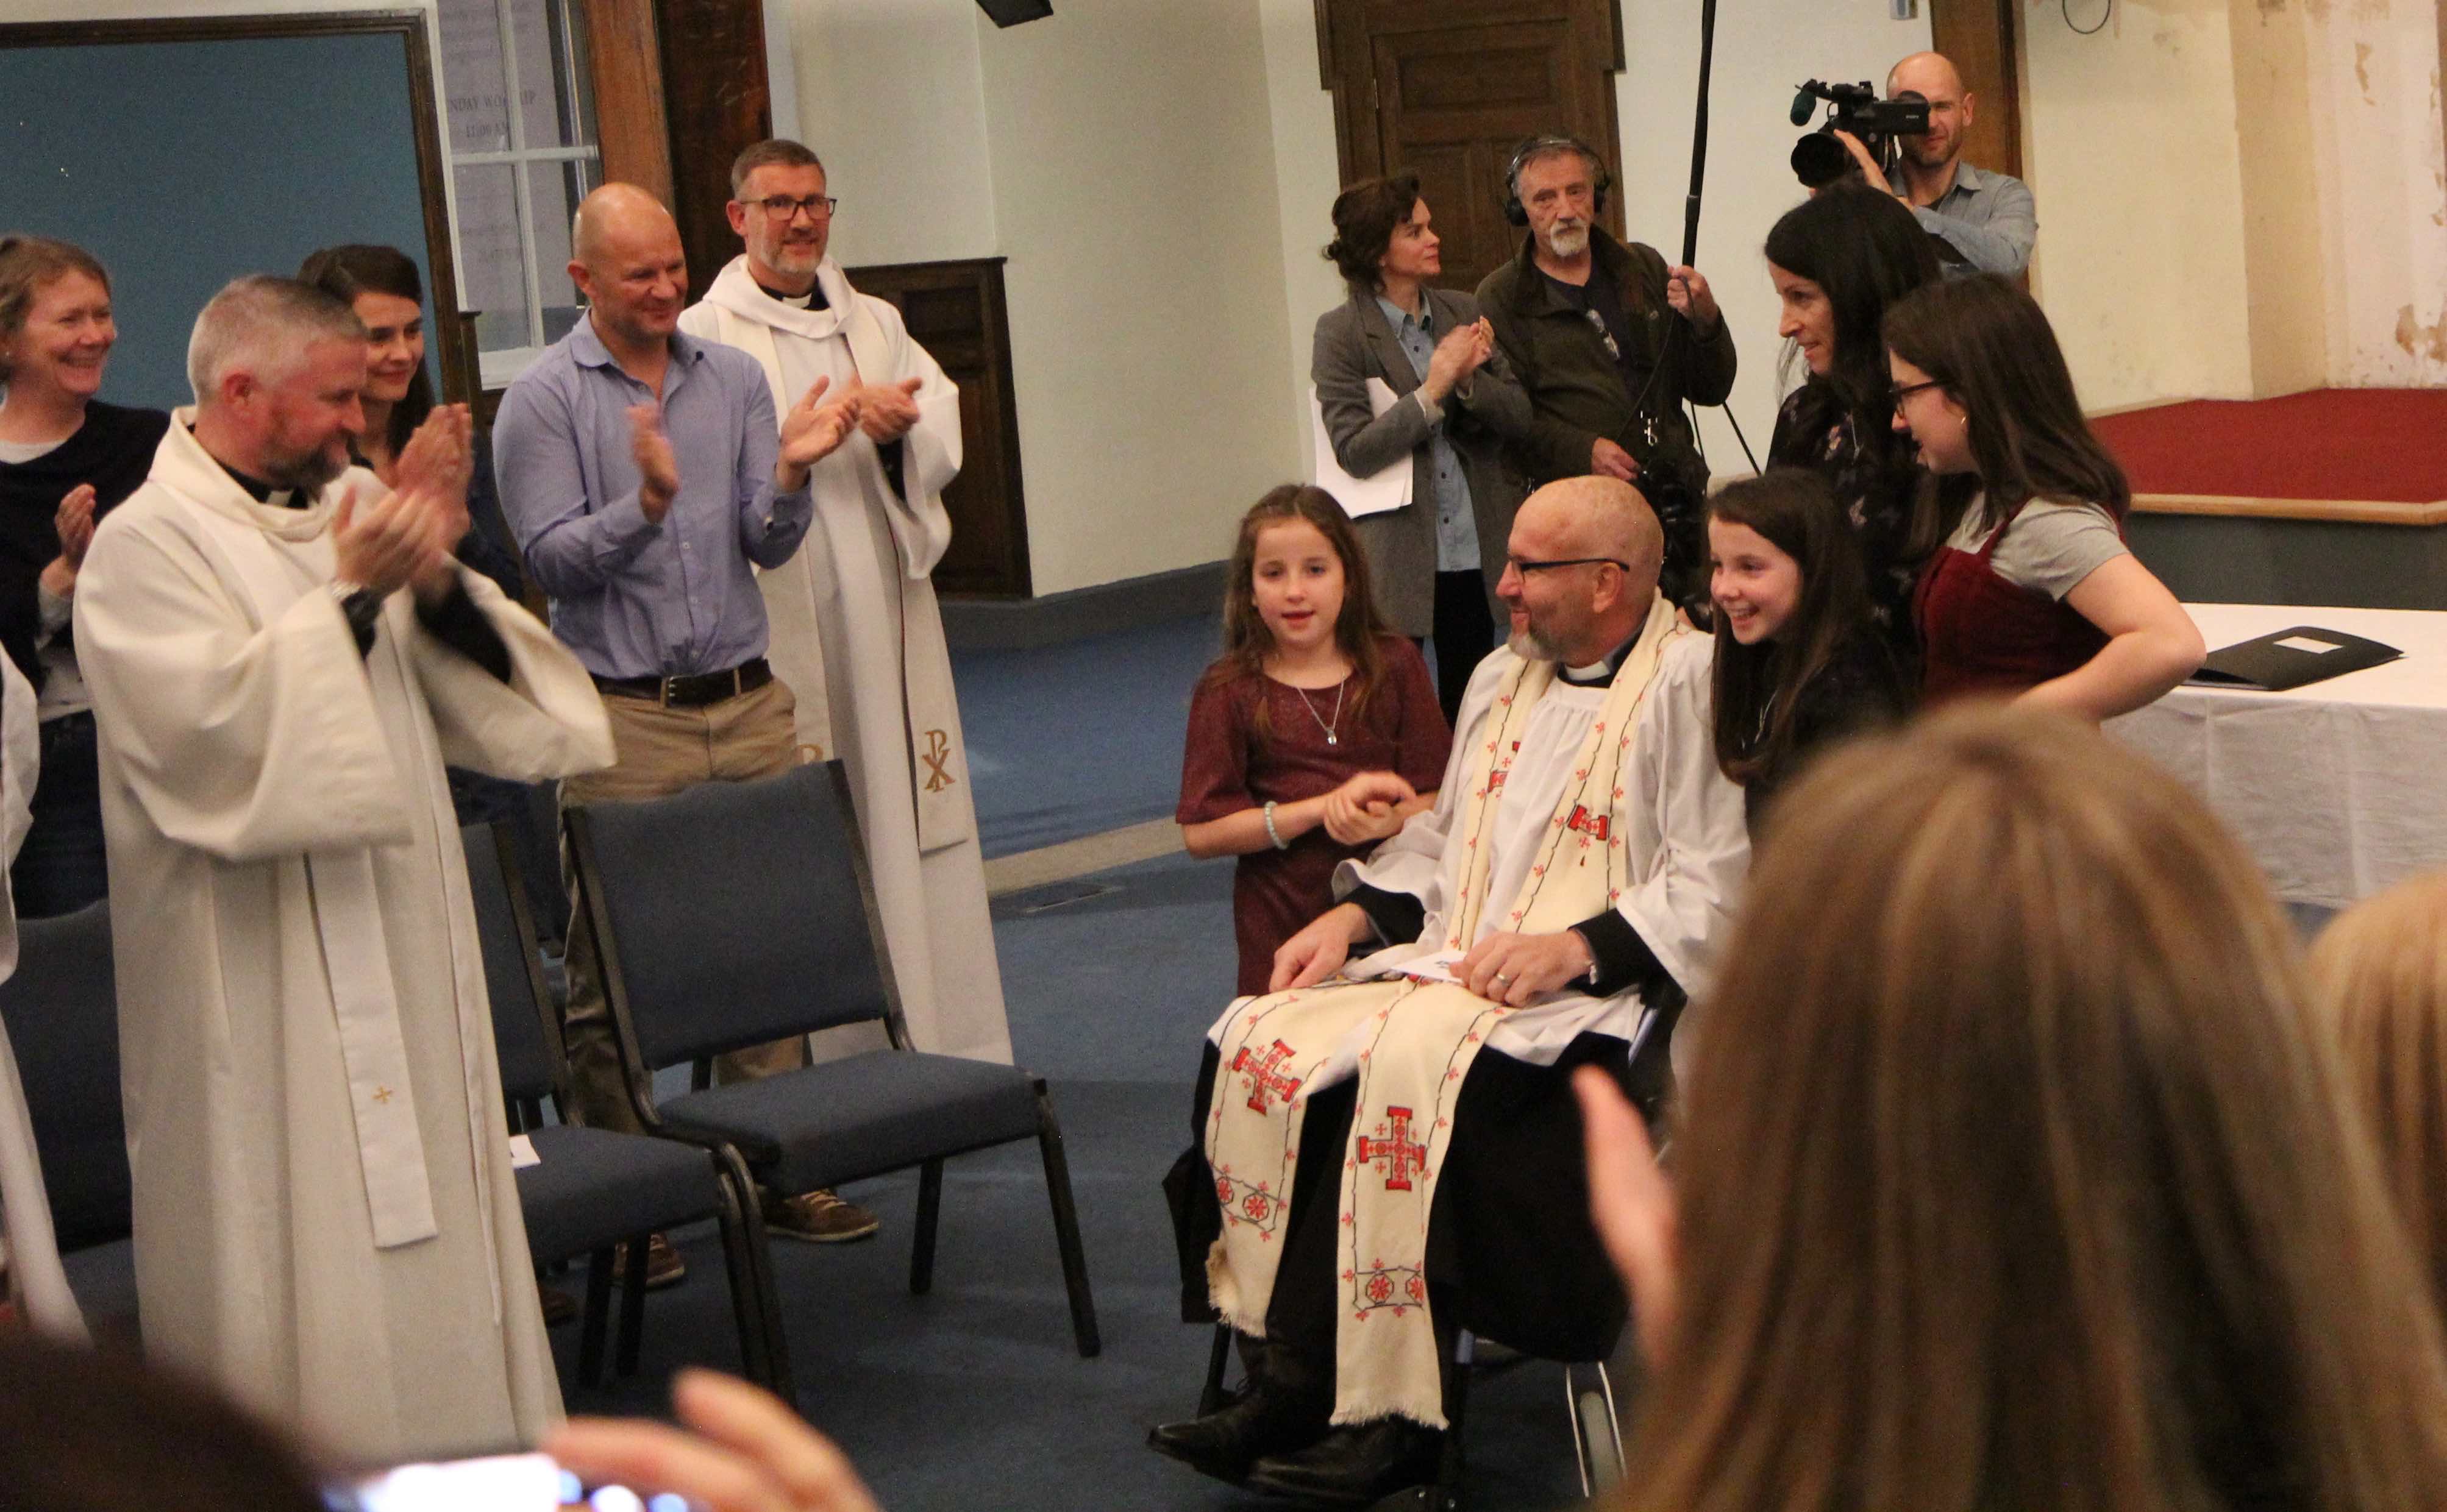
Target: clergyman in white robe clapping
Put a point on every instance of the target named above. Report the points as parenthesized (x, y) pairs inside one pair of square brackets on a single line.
[(856, 631), (282, 657)]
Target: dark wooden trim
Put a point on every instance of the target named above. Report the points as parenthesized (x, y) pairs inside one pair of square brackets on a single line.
[(1614, 9), (716, 101), (453, 353), (628, 78), (1976, 28), (1324, 42)]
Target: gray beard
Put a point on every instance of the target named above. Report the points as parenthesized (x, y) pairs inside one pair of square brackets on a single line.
[(307, 475), (1530, 646), (1569, 244)]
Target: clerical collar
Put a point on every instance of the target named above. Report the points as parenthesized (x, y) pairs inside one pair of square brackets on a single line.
[(1599, 673), (264, 493), (813, 299)]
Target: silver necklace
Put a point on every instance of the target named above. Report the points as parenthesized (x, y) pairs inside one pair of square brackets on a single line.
[(1330, 737)]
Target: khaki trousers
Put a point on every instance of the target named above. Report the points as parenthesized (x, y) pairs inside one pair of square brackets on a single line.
[(660, 751)]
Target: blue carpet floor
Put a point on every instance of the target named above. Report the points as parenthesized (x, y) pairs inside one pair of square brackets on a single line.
[(1073, 740)]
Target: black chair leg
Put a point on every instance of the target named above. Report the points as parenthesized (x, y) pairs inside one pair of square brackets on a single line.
[(921, 1241), (1065, 1227), (1211, 1397), (758, 1255), (598, 1310), (1465, 1351), (747, 1307), (633, 1304)]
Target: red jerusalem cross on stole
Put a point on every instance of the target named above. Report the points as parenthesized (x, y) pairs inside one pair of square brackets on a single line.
[(1395, 1156), (1265, 1076), (1597, 825)]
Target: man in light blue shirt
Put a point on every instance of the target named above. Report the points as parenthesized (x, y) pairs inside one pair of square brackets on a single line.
[(1982, 221), (641, 472)]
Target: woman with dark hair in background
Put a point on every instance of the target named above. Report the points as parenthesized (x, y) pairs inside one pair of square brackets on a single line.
[(1800, 661), (1434, 562), (65, 459), (2033, 593), (1838, 260), (2013, 1173), (382, 285)]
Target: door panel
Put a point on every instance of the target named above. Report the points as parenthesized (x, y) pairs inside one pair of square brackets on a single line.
[(1448, 89)]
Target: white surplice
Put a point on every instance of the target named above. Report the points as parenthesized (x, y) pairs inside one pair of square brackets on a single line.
[(855, 631), (36, 1282), (1684, 836), (326, 1222)]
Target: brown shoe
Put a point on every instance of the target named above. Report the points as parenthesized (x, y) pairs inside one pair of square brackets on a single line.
[(664, 1266), (558, 1306), (821, 1216)]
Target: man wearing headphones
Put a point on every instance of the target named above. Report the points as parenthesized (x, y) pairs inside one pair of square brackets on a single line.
[(1607, 338)]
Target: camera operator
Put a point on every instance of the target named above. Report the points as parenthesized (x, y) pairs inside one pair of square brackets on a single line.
[(1987, 220), (1610, 340)]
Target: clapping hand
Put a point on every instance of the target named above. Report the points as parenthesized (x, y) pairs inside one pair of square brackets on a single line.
[(813, 430), (438, 461), (886, 411), (74, 522), (1367, 807), (1458, 354), (659, 467), (395, 539)]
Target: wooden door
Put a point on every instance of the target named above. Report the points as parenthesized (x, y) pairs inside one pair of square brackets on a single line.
[(1979, 36), (1446, 88)]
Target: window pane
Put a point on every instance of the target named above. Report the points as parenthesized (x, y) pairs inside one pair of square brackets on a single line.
[(558, 187), (577, 81), (542, 76), (471, 74), (494, 264)]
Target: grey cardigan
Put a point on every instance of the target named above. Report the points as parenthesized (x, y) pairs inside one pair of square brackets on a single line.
[(1354, 344)]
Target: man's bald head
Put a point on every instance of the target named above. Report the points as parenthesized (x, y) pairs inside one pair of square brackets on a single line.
[(1578, 613), (1923, 71), (625, 257)]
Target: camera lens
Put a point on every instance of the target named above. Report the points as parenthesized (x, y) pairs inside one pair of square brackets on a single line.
[(1819, 160)]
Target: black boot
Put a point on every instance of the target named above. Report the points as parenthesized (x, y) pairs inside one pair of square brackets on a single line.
[(1353, 1466), (1285, 1408)]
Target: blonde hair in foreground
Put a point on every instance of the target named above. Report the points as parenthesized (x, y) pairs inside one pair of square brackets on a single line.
[(2379, 978), (2011, 1175)]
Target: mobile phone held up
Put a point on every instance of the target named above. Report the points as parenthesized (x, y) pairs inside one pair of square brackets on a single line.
[(493, 1482)]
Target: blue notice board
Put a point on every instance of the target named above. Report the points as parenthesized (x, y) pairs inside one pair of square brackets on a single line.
[(183, 164)]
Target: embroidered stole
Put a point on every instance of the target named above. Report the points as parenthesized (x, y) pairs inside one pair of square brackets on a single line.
[(1415, 1042)]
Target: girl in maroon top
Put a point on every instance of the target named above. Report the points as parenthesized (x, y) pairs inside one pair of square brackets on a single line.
[(1315, 734), (2033, 595)]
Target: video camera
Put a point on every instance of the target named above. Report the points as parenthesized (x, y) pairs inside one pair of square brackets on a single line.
[(1819, 160)]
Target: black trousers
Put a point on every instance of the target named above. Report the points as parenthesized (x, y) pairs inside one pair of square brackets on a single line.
[(1464, 633), (62, 866)]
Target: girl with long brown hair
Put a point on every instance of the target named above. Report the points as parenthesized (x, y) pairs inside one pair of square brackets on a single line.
[(1800, 660), (1315, 734), (2012, 1173), (2033, 593)]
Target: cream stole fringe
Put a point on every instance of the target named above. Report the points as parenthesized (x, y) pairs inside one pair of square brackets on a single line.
[(1410, 1064)]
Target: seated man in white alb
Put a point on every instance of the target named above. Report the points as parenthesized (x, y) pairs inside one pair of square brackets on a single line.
[(1580, 860)]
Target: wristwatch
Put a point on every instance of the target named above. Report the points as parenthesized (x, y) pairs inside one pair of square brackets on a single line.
[(359, 605)]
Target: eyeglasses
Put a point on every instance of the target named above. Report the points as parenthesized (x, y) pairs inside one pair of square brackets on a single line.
[(1525, 568), (786, 209), (1900, 392), (1614, 353)]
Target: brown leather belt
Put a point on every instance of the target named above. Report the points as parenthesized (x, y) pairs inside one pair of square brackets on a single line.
[(695, 690)]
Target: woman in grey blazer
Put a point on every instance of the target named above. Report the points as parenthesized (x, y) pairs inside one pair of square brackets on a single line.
[(1432, 563)]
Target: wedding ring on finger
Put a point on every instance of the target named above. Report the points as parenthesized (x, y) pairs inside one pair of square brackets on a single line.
[(1501, 980)]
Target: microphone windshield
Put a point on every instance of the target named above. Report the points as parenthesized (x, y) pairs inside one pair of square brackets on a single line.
[(1804, 105)]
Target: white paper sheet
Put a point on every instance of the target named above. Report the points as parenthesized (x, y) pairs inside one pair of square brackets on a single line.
[(1374, 495), (523, 1153)]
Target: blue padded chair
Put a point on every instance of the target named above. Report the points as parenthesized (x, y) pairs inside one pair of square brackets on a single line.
[(734, 914), (61, 1008), (596, 1188)]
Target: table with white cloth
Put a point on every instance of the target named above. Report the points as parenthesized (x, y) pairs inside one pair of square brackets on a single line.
[(2340, 787)]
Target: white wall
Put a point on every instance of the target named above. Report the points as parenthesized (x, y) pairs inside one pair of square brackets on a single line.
[(1134, 187), (1761, 53), (1307, 177)]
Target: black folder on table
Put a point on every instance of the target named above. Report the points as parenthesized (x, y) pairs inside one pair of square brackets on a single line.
[(2290, 658)]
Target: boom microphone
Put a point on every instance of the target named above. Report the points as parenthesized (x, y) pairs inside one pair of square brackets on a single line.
[(1805, 104)]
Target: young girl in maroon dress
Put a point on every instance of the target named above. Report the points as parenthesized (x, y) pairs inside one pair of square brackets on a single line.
[(1315, 734)]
